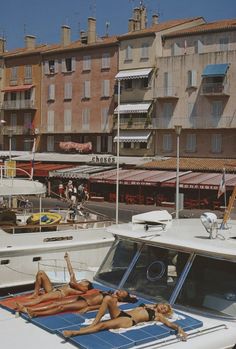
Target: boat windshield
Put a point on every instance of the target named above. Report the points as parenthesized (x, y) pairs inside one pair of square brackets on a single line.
[(148, 271), (210, 285)]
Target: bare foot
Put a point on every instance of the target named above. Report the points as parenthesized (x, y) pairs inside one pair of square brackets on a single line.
[(21, 308), (67, 334)]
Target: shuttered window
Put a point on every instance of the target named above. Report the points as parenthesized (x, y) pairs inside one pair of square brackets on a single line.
[(191, 142), (104, 119), (85, 119), (50, 121), (216, 143), (51, 92), (50, 143), (167, 142), (87, 63), (87, 89), (105, 88), (106, 61), (68, 90), (67, 120)]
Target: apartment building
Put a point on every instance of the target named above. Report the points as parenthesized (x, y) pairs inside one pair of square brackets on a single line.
[(21, 95), (139, 53), (2, 49), (78, 91), (196, 89)]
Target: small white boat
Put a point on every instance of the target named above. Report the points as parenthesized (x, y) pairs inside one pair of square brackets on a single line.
[(24, 246)]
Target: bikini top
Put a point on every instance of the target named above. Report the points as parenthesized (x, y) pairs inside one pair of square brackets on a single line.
[(151, 312)]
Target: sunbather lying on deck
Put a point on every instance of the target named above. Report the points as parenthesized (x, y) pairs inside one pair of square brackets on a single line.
[(43, 282), (121, 319), (82, 304)]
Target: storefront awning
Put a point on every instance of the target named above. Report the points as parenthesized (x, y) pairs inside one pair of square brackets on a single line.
[(133, 74), (215, 70), (17, 88), (133, 108), (82, 172), (133, 136)]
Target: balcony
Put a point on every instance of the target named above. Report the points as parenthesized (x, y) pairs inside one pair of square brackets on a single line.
[(16, 130), (167, 92), (214, 89), (196, 122), (19, 104), (134, 123)]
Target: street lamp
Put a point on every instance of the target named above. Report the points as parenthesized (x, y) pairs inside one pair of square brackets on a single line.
[(178, 129), (118, 155)]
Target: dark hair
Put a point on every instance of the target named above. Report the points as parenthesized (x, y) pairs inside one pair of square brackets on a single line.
[(90, 285), (129, 299)]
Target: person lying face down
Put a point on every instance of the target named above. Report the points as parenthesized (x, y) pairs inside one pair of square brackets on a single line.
[(127, 319), (81, 304)]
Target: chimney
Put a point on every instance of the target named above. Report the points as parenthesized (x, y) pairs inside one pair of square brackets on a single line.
[(65, 35), (137, 25), (30, 42), (143, 17), (83, 37), (155, 19), (2, 45), (131, 25), (91, 30)]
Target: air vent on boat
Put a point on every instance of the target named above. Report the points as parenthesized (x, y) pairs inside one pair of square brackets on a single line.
[(36, 259), (58, 238), (4, 261)]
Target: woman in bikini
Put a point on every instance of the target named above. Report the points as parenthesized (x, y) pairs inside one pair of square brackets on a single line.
[(126, 319), (82, 304), (43, 282)]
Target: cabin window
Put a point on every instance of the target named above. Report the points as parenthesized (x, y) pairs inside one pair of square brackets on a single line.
[(154, 274), (210, 285), (117, 262)]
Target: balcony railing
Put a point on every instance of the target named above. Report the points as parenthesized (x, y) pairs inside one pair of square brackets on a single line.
[(16, 130), (167, 92), (214, 88), (196, 122), (19, 104), (134, 123)]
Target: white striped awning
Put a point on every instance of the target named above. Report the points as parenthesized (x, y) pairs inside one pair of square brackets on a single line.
[(133, 74), (133, 136), (133, 108)]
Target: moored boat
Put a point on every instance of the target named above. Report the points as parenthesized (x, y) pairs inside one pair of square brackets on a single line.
[(189, 263)]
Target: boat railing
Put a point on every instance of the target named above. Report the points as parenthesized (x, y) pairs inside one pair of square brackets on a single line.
[(35, 228)]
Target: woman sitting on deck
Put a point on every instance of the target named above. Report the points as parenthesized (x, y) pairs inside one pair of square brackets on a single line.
[(43, 282), (127, 319), (82, 304)]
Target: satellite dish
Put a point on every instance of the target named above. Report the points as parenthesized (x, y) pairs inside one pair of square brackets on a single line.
[(209, 221)]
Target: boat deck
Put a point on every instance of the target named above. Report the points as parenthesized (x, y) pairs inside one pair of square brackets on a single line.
[(141, 334)]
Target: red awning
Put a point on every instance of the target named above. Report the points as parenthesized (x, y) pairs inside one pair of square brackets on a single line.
[(40, 169), (198, 180), (134, 177), (17, 88)]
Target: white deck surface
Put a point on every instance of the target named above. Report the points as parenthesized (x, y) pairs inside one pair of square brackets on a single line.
[(17, 333)]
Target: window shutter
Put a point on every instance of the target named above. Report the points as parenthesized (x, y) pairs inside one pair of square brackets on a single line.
[(105, 88), (104, 119), (56, 66), (144, 51), (63, 68), (67, 120), (216, 143), (87, 89), (87, 63), (68, 90), (85, 119), (46, 67), (50, 121), (73, 62), (99, 144), (51, 92), (50, 143), (105, 61)]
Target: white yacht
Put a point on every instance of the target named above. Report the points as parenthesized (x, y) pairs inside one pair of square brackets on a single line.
[(189, 263)]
